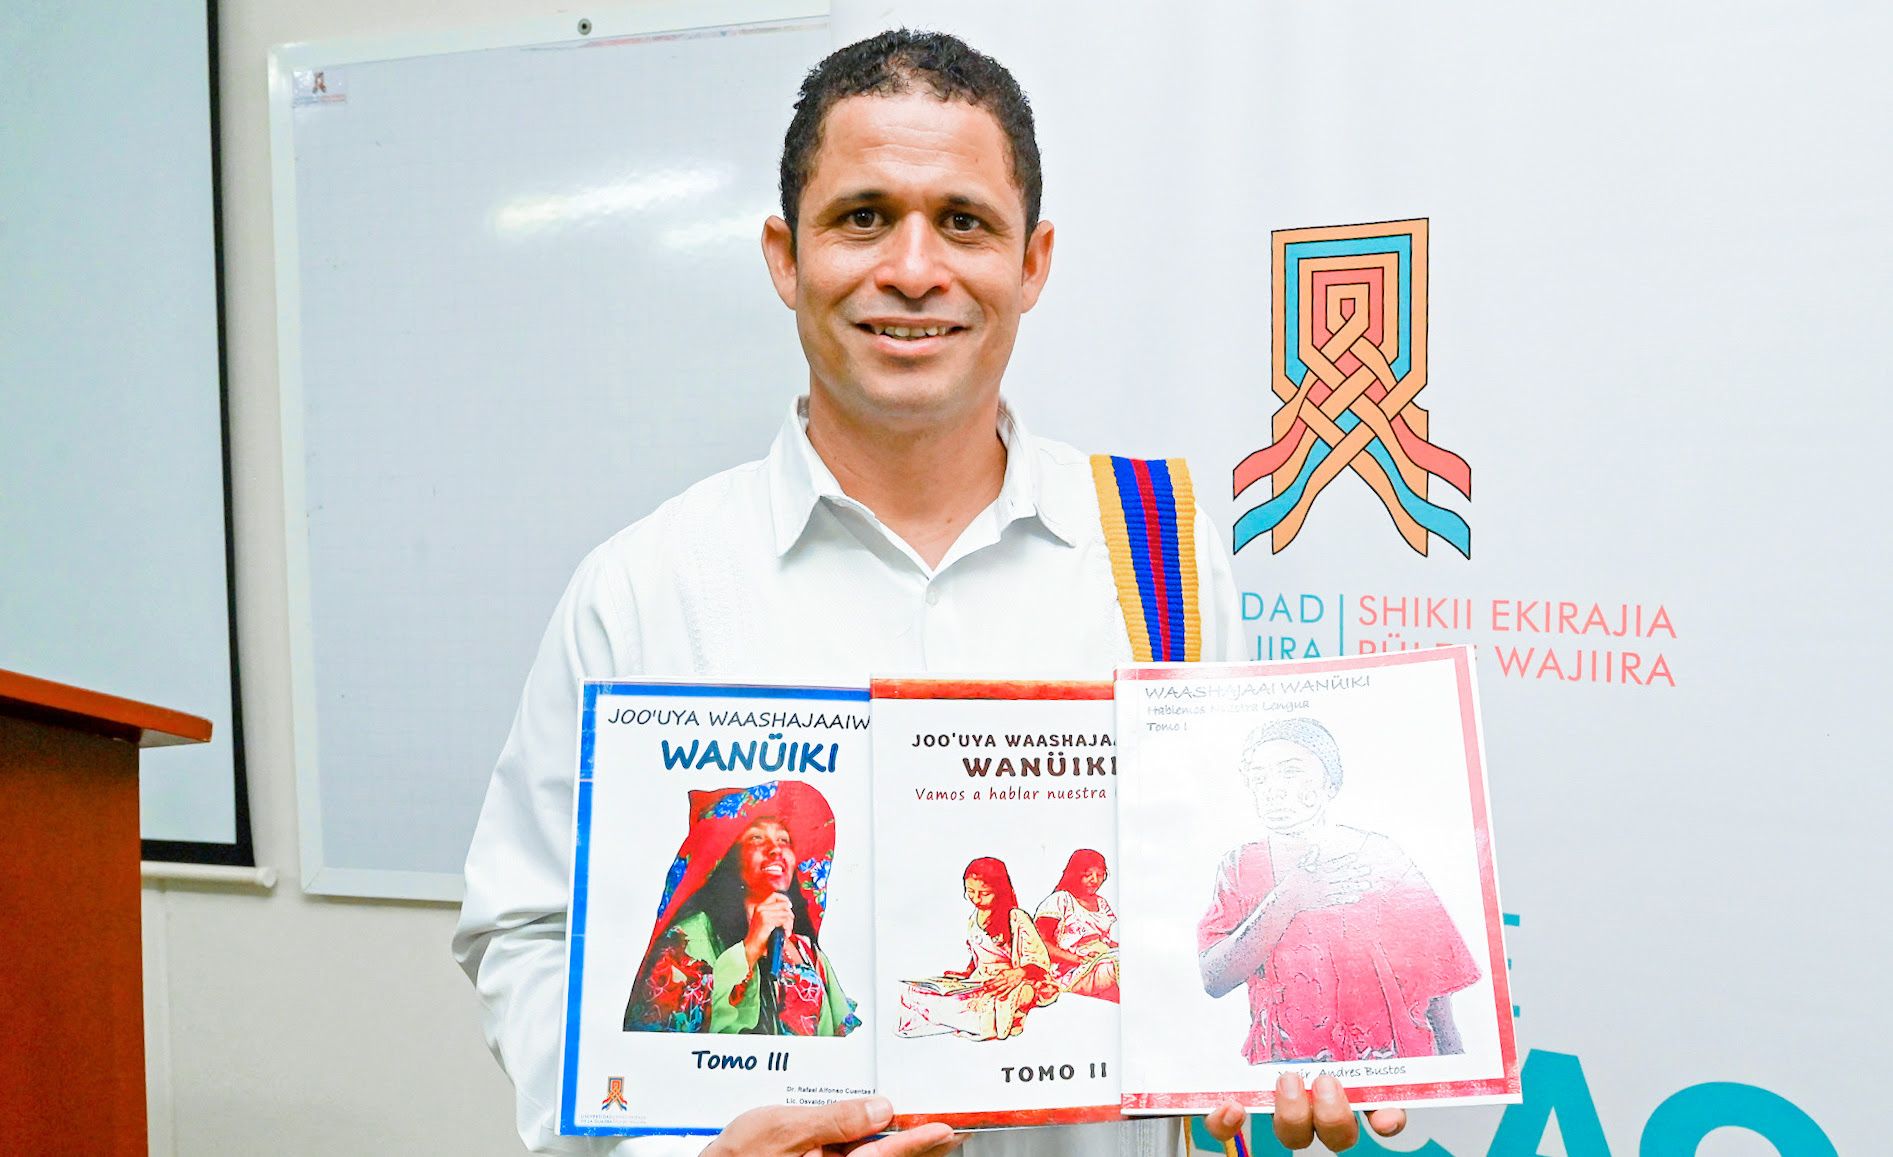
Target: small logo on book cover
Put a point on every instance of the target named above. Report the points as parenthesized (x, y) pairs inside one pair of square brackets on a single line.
[(614, 1093)]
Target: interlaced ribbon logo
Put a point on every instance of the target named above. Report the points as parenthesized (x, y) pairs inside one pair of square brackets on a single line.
[(614, 1093), (1349, 360)]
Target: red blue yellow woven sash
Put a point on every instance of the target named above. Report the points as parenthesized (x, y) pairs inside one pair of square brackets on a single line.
[(1149, 517)]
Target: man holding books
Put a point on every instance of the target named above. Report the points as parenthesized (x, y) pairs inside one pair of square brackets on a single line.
[(903, 521)]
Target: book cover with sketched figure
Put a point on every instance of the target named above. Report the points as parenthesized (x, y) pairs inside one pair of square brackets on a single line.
[(1309, 884), (996, 927), (720, 938)]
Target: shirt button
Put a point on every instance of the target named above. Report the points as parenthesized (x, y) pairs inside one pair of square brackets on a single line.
[(933, 596)]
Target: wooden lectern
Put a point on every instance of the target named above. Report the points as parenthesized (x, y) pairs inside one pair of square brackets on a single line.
[(72, 1012)]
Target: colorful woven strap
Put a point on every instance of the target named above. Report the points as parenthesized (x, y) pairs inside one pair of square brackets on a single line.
[(1202, 1141), (1149, 523)]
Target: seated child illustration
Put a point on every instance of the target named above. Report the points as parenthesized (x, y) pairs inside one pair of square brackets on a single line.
[(1345, 949), (1010, 972), (1080, 929), (736, 947)]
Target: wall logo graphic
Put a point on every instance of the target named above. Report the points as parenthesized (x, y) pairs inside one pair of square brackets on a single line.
[(614, 1093), (317, 86), (1349, 359)]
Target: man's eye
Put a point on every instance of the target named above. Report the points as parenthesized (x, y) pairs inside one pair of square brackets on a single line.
[(862, 218), (962, 222)]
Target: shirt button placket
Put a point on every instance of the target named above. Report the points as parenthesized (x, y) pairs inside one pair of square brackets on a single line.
[(930, 624)]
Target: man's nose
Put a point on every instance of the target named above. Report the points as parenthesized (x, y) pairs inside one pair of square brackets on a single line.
[(913, 264)]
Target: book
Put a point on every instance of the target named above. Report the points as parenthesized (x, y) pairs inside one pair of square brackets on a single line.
[(995, 933), (721, 920), (1309, 884), (931, 889)]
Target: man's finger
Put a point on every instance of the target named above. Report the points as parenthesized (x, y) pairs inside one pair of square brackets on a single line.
[(1334, 1117), (1225, 1121), (930, 1140), (834, 1124), (950, 1145), (1387, 1122), (1294, 1121)]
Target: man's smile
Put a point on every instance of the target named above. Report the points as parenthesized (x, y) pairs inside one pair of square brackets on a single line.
[(909, 330)]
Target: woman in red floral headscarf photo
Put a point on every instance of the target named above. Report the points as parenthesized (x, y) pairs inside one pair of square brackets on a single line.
[(736, 947)]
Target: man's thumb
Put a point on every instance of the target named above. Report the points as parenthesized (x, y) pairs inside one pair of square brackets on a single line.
[(845, 1121)]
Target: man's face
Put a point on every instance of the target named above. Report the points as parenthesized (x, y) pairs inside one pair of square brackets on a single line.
[(910, 265), (1290, 786), (768, 858)]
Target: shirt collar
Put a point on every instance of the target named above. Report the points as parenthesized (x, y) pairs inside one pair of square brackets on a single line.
[(799, 479)]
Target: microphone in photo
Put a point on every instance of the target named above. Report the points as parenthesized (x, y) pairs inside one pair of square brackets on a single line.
[(769, 1022)]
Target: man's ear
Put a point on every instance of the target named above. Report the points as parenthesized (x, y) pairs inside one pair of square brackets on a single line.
[(778, 252), (1038, 264)]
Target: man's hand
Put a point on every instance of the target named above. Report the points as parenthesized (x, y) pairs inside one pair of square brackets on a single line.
[(828, 1130), (773, 913), (1299, 1119)]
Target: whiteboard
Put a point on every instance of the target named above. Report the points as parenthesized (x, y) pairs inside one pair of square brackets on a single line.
[(521, 303), (114, 557)]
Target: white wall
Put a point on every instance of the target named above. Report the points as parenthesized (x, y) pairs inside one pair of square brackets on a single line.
[(277, 1022)]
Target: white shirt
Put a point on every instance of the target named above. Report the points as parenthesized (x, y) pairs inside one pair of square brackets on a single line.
[(769, 573)]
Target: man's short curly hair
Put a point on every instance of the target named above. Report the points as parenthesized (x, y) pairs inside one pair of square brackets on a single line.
[(899, 62)]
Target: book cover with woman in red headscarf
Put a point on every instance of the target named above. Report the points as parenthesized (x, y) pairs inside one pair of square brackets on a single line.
[(720, 948), (736, 946)]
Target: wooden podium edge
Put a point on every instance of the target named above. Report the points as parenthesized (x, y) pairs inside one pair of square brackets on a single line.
[(62, 705)]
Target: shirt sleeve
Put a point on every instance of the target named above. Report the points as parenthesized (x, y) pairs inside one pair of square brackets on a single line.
[(1218, 605), (511, 936)]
